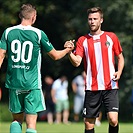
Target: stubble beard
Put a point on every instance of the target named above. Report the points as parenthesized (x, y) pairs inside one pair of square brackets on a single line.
[(94, 28)]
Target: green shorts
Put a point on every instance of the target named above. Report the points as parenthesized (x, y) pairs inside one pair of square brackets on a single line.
[(62, 105), (28, 101)]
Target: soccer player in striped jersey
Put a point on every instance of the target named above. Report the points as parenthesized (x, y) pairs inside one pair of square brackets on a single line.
[(23, 45), (98, 49)]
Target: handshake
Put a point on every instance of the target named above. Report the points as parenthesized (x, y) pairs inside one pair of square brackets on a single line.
[(69, 45)]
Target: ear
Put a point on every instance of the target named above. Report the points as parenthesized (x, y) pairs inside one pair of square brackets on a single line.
[(101, 20), (33, 18)]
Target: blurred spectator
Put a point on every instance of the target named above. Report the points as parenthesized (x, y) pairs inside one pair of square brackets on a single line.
[(50, 107), (78, 87), (60, 98), (98, 120)]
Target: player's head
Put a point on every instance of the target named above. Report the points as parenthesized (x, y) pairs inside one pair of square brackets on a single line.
[(28, 12), (95, 10), (95, 18)]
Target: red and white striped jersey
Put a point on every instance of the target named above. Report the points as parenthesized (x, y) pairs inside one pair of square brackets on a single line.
[(98, 53)]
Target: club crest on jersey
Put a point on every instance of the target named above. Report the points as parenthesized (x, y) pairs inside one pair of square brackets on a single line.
[(107, 44)]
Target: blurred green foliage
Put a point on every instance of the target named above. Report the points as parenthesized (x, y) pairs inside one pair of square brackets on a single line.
[(5, 114), (64, 20)]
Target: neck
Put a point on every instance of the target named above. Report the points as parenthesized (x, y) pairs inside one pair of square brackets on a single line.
[(96, 32), (26, 23)]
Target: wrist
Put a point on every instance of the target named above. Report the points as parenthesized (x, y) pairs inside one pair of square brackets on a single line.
[(68, 50)]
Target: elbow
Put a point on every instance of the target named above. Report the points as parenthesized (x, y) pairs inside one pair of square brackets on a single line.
[(76, 64), (55, 58)]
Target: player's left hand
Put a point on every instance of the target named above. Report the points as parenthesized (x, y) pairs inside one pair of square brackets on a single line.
[(116, 76), (69, 44)]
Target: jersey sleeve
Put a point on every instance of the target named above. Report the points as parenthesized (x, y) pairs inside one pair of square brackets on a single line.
[(79, 47), (3, 44), (116, 45), (46, 45)]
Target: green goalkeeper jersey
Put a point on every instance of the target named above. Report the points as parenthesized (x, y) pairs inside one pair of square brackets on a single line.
[(23, 45)]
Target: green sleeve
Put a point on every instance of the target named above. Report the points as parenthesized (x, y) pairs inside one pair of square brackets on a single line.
[(46, 45)]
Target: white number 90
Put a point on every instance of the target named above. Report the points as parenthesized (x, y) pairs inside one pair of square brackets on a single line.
[(19, 50)]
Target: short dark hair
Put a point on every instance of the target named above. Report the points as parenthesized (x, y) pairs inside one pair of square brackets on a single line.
[(26, 10), (95, 10)]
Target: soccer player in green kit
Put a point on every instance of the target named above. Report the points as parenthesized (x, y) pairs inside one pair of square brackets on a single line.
[(23, 44)]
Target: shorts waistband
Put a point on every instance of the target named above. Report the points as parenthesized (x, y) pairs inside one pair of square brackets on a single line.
[(22, 91)]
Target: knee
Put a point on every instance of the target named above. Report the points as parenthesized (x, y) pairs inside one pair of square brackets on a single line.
[(113, 121), (113, 118), (89, 123)]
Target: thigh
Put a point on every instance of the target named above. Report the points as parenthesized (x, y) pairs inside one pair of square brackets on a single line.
[(34, 102), (16, 101), (92, 104), (111, 101)]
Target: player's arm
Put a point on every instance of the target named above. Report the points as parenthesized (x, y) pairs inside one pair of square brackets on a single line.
[(75, 59), (74, 87), (58, 54), (53, 95), (120, 67), (2, 56)]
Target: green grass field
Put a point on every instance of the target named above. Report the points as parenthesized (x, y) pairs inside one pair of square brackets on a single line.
[(43, 127)]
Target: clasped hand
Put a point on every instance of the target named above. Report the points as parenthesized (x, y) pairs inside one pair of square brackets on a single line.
[(69, 44)]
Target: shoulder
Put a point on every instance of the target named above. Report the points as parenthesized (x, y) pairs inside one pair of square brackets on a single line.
[(7, 31), (110, 34), (34, 29), (11, 28), (39, 32), (82, 38)]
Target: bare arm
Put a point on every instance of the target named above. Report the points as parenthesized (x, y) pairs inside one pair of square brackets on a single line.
[(75, 59), (53, 95), (58, 54), (74, 87), (2, 56), (120, 67)]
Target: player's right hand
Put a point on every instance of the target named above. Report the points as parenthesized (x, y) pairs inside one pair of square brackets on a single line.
[(69, 44)]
